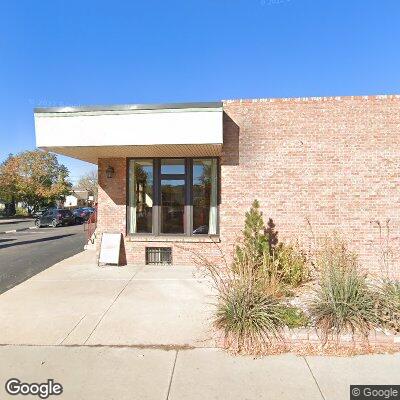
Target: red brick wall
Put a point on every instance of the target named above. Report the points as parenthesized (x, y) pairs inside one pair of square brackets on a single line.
[(112, 196), (332, 161)]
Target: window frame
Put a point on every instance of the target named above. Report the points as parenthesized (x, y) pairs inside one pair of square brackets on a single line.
[(188, 203)]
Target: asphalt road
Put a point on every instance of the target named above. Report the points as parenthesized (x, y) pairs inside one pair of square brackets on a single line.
[(25, 254)]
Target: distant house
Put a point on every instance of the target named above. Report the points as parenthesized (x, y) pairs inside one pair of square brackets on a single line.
[(79, 198)]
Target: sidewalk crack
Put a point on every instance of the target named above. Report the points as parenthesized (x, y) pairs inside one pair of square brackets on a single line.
[(108, 308), (315, 380), (75, 326), (172, 374)]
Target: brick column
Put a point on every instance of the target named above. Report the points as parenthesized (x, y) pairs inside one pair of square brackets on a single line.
[(112, 198)]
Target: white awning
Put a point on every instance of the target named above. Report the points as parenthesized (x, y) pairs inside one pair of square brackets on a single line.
[(173, 130)]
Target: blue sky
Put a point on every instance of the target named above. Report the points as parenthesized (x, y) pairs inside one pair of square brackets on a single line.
[(55, 53)]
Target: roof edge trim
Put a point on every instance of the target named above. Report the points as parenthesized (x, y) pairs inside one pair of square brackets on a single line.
[(128, 107)]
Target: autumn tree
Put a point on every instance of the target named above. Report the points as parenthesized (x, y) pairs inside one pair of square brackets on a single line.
[(35, 178), (8, 184), (88, 182)]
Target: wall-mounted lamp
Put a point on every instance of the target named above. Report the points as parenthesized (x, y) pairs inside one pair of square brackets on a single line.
[(110, 171)]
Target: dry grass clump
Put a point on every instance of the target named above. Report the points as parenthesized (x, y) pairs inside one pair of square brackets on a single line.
[(249, 317), (343, 302), (248, 308), (388, 305)]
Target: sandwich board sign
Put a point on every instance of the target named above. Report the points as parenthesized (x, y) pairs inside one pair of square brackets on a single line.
[(110, 248)]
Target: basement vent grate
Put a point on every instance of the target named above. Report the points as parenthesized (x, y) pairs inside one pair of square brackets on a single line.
[(158, 255)]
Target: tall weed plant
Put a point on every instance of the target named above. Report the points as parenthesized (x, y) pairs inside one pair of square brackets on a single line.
[(388, 305), (344, 302), (248, 307)]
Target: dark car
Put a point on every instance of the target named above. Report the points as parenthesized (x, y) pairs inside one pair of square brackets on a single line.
[(40, 212), (82, 214), (55, 217)]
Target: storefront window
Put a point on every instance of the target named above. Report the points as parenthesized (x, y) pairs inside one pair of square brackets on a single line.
[(205, 196), (140, 196), (173, 166), (173, 196)]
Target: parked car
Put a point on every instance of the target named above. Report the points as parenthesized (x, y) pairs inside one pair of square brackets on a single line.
[(90, 209), (82, 214), (40, 212), (55, 217)]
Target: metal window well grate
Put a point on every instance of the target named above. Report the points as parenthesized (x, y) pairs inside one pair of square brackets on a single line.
[(158, 255)]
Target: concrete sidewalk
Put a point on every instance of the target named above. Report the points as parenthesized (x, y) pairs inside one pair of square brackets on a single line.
[(144, 333), (76, 302), (141, 373)]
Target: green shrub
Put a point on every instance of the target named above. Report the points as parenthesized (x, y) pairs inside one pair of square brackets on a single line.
[(388, 305), (249, 317), (344, 302), (293, 317), (291, 265), (260, 247)]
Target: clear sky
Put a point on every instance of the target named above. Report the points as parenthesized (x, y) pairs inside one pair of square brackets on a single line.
[(75, 52)]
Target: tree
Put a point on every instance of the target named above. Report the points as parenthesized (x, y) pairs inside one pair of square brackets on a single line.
[(34, 178), (88, 182), (272, 234), (255, 242), (8, 184), (259, 242)]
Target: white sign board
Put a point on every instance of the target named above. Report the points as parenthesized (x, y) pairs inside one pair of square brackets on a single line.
[(110, 246)]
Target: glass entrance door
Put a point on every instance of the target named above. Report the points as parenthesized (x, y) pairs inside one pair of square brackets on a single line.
[(172, 190)]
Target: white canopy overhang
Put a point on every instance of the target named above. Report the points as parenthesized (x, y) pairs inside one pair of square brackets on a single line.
[(169, 130)]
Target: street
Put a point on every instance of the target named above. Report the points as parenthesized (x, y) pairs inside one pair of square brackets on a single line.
[(26, 253)]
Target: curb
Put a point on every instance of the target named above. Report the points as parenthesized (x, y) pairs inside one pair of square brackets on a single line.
[(15, 220), (19, 230)]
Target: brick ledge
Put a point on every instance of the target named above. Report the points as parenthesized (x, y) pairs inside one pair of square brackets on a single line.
[(314, 98), (173, 239)]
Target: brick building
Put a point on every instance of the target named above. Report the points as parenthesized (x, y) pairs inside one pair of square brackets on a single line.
[(181, 176)]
